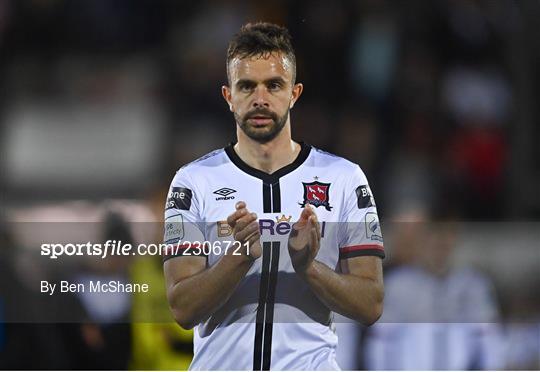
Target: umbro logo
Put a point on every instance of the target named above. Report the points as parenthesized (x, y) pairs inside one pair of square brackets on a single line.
[(224, 193)]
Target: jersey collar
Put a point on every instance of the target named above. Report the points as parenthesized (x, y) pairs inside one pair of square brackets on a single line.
[(305, 150)]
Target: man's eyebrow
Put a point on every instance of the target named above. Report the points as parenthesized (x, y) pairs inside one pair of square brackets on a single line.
[(245, 82), (275, 79)]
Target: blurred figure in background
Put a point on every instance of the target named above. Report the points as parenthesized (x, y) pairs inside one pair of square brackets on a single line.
[(5, 277), (104, 340), (158, 342), (523, 346), (476, 150), (448, 313), (24, 344)]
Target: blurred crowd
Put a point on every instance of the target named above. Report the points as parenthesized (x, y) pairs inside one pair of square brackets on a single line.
[(436, 100)]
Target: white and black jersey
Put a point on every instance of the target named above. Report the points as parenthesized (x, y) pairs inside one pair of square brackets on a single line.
[(273, 319)]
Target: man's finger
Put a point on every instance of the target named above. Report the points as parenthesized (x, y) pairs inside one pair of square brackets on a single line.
[(244, 221), (244, 234), (314, 223), (303, 219), (313, 241), (233, 217), (306, 212), (254, 238), (241, 210)]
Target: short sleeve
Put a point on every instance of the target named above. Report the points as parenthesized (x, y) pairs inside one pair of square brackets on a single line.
[(360, 229), (183, 233)]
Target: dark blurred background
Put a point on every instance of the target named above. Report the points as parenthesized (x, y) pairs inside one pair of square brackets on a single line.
[(437, 100), (101, 101)]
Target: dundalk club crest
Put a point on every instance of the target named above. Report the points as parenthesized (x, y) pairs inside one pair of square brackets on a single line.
[(317, 194)]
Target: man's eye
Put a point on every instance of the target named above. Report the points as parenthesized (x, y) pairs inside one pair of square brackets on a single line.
[(245, 88), (274, 86)]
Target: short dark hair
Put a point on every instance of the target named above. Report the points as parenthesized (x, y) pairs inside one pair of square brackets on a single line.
[(261, 39)]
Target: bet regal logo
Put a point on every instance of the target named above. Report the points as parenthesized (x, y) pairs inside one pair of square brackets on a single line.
[(281, 226)]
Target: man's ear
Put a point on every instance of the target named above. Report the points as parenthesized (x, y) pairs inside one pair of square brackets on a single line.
[(226, 93), (296, 93)]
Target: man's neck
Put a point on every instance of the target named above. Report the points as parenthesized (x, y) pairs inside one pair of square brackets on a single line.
[(267, 157)]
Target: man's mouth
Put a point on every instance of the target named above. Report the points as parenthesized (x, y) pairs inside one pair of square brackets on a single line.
[(260, 120)]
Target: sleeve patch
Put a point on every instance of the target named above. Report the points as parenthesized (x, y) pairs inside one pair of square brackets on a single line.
[(174, 228), (179, 198), (364, 197), (373, 227)]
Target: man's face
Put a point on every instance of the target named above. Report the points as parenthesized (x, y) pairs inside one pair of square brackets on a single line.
[(261, 94)]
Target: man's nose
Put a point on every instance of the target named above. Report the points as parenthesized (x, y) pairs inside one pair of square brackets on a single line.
[(261, 97)]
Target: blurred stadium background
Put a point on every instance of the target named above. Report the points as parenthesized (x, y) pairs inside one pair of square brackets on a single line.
[(103, 100)]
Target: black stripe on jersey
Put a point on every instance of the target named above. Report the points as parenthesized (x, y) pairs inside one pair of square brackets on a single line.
[(267, 199), (276, 198), (261, 308), (305, 149), (267, 346), (271, 198), (262, 351)]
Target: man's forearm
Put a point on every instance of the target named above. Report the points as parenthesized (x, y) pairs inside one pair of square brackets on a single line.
[(195, 298), (354, 296)]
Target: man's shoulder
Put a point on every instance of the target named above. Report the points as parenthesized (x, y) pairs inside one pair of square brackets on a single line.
[(322, 158), (211, 159), (201, 166)]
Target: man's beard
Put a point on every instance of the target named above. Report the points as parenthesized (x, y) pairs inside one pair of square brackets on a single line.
[(265, 134)]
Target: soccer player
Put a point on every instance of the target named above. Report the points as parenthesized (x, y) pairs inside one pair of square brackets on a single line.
[(303, 222)]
